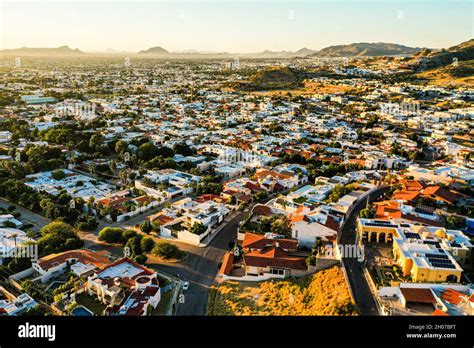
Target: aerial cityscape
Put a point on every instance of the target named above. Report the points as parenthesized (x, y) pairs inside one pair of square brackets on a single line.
[(197, 179)]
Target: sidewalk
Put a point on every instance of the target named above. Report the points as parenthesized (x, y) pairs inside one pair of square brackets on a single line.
[(177, 290)]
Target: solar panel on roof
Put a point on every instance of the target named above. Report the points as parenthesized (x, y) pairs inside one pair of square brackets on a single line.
[(441, 263), (430, 242), (412, 235), (377, 224), (437, 256)]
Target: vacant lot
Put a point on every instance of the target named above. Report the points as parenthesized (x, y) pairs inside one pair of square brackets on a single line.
[(324, 293)]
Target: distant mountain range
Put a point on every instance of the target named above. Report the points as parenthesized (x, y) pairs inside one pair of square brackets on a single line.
[(350, 50), (454, 65), (63, 50), (364, 49), (154, 50), (304, 52), (265, 54), (429, 58)]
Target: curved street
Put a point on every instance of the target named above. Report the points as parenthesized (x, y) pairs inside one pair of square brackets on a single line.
[(355, 272)]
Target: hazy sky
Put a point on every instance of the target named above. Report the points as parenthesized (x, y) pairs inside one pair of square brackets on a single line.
[(233, 26)]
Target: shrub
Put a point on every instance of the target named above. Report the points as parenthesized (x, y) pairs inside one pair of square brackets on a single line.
[(58, 174), (127, 234), (9, 224), (135, 246), (198, 228), (86, 223), (167, 251), (141, 259), (311, 260), (111, 234), (147, 244), (58, 236), (146, 227)]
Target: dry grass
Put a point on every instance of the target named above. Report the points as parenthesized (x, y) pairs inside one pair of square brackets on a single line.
[(462, 75), (311, 88), (324, 293)]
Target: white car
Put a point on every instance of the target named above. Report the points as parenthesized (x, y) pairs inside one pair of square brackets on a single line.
[(186, 286)]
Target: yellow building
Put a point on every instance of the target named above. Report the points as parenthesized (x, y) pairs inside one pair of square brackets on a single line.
[(426, 253), (424, 260), (371, 230)]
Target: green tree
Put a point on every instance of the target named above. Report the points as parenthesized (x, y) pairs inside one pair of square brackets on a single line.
[(198, 228), (58, 236), (183, 149), (311, 260), (147, 151), (58, 174), (121, 146), (127, 234), (147, 244), (168, 251), (111, 234), (146, 227), (367, 213)]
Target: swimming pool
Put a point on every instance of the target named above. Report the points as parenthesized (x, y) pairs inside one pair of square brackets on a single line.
[(81, 311)]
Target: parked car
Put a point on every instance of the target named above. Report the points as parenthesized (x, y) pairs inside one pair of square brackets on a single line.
[(186, 286)]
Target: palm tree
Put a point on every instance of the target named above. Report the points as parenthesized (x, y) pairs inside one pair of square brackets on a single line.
[(14, 237), (113, 166)]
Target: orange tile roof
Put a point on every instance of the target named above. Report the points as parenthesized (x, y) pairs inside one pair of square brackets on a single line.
[(296, 217), (97, 258), (227, 263), (113, 201), (418, 295), (331, 223), (206, 197), (161, 219), (265, 173), (452, 296), (144, 198), (274, 257), (406, 195), (440, 313), (258, 241), (261, 209), (441, 193), (357, 161), (387, 212), (413, 185)]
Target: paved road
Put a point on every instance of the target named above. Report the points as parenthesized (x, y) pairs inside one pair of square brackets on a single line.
[(201, 267), (27, 216), (358, 282)]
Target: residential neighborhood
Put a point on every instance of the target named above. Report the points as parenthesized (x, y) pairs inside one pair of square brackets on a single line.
[(329, 182)]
